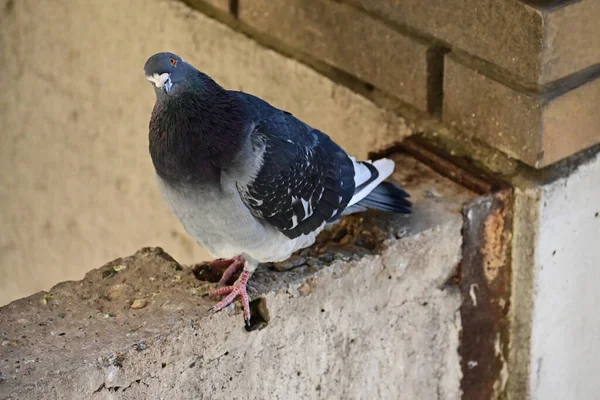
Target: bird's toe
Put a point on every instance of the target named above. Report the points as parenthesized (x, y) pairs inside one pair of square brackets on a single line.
[(233, 291)]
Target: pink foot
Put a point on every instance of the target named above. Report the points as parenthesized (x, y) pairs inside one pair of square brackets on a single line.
[(232, 265), (233, 291)]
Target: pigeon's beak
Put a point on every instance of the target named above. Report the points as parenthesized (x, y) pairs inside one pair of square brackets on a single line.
[(161, 81)]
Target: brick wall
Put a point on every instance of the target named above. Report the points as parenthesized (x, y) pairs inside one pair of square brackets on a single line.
[(520, 75)]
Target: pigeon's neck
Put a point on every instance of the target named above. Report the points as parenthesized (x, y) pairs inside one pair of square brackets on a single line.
[(194, 135)]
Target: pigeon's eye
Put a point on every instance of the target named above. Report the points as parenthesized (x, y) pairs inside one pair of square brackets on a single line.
[(173, 61)]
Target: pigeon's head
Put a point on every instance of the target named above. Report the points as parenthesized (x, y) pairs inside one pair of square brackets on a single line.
[(167, 72)]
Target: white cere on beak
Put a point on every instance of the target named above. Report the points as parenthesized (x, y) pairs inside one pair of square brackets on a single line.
[(162, 80)]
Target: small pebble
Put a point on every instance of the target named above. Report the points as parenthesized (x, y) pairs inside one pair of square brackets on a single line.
[(22, 321), (138, 304), (292, 262), (360, 241), (342, 255), (46, 299), (141, 346), (326, 257), (305, 289)]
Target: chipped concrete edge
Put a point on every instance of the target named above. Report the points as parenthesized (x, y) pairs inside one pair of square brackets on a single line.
[(527, 207)]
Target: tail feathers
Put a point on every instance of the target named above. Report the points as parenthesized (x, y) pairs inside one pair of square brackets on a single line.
[(387, 196), (355, 208), (369, 175)]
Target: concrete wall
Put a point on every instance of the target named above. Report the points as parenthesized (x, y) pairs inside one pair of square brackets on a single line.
[(76, 182), (565, 355)]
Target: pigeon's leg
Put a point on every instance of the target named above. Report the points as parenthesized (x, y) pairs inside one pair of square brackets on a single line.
[(237, 289), (232, 265)]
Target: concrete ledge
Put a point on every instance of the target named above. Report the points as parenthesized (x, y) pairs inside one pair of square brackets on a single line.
[(385, 323)]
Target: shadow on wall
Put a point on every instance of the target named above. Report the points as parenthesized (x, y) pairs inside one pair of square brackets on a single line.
[(76, 181)]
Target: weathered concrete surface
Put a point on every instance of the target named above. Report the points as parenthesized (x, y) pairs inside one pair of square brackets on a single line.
[(383, 326), (76, 183), (525, 231), (565, 356)]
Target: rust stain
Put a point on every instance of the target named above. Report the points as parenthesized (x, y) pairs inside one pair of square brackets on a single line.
[(495, 245), (485, 287)]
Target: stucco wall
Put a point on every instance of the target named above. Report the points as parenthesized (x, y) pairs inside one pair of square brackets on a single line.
[(76, 182), (565, 356)]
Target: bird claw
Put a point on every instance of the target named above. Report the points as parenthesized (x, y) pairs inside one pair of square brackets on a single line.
[(232, 265), (233, 291)]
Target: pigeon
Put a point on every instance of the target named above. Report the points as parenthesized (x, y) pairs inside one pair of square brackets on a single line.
[(248, 181)]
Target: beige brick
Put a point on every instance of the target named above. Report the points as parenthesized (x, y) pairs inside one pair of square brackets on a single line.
[(572, 39), (347, 39), (571, 122), (531, 128), (535, 45)]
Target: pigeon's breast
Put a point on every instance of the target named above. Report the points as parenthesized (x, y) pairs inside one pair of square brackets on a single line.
[(216, 217)]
